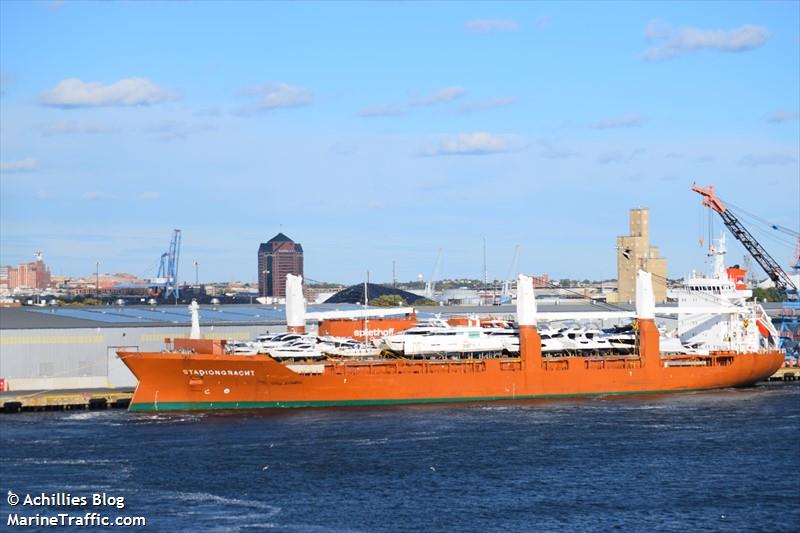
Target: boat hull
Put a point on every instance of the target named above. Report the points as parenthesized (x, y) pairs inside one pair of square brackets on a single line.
[(190, 382)]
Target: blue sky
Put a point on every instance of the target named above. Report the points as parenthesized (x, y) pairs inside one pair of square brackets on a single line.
[(373, 132)]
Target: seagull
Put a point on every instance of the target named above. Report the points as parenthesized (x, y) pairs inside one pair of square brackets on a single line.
[(433, 469), (267, 466)]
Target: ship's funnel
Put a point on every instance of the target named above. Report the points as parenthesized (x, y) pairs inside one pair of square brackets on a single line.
[(645, 298), (526, 301), (295, 304), (194, 308)]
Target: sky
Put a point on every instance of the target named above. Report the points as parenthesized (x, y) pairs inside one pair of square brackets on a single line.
[(375, 133)]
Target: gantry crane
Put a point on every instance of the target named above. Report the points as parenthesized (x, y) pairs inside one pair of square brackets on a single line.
[(167, 279)]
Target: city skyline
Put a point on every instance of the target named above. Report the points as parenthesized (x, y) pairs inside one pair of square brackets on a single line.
[(379, 133)]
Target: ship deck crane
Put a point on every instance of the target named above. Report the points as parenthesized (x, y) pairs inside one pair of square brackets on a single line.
[(771, 267), (430, 286), (505, 295)]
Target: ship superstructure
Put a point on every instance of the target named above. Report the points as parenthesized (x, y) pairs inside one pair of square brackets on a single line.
[(746, 328)]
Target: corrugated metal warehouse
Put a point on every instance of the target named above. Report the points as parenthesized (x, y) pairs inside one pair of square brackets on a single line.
[(72, 348)]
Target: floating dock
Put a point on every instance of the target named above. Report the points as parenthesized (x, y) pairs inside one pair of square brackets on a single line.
[(65, 399)]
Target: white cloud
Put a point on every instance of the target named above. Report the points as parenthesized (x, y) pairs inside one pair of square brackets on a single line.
[(276, 96), (71, 127), (96, 196), (769, 159), (20, 165), (543, 22), (73, 92), (625, 121), (779, 115), (149, 195), (483, 105), (478, 143), (442, 96), (382, 110), (674, 42), (487, 25)]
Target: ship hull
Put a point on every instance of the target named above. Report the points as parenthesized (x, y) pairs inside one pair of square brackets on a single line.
[(192, 382)]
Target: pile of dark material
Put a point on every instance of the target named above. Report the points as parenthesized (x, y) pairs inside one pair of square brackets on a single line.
[(355, 294)]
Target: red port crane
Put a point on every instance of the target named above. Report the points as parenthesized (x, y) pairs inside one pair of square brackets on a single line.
[(770, 266)]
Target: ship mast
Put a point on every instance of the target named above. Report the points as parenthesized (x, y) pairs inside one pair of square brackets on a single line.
[(366, 303), (718, 254)]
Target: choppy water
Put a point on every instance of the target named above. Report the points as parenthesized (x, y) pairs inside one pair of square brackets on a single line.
[(717, 461)]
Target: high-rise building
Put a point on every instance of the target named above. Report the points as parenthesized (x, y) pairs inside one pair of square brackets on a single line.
[(277, 257), (635, 253)]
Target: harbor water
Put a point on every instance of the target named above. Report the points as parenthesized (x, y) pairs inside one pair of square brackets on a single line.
[(714, 461)]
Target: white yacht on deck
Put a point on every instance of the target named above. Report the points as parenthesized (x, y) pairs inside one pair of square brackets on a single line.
[(438, 336)]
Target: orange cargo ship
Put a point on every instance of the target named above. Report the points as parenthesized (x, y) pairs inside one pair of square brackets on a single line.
[(199, 375)]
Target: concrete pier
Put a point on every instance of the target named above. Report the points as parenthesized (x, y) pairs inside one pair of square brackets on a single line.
[(64, 399), (786, 374)]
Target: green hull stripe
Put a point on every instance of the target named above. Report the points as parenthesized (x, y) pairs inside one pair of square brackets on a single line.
[(225, 406)]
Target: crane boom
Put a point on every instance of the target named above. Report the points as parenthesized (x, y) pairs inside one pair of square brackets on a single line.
[(770, 266), (431, 284), (505, 295)]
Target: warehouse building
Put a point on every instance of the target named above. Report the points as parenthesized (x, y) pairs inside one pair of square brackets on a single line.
[(45, 348)]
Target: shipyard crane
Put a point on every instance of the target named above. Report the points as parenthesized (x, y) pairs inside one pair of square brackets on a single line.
[(771, 267), (431, 284), (167, 278)]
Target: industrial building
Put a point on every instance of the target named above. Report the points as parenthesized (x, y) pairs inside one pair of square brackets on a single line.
[(634, 253), (277, 257), (33, 275), (75, 348)]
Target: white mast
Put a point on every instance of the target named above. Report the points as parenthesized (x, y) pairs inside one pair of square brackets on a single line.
[(718, 253), (645, 298), (295, 303), (366, 303), (194, 308), (526, 301)]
